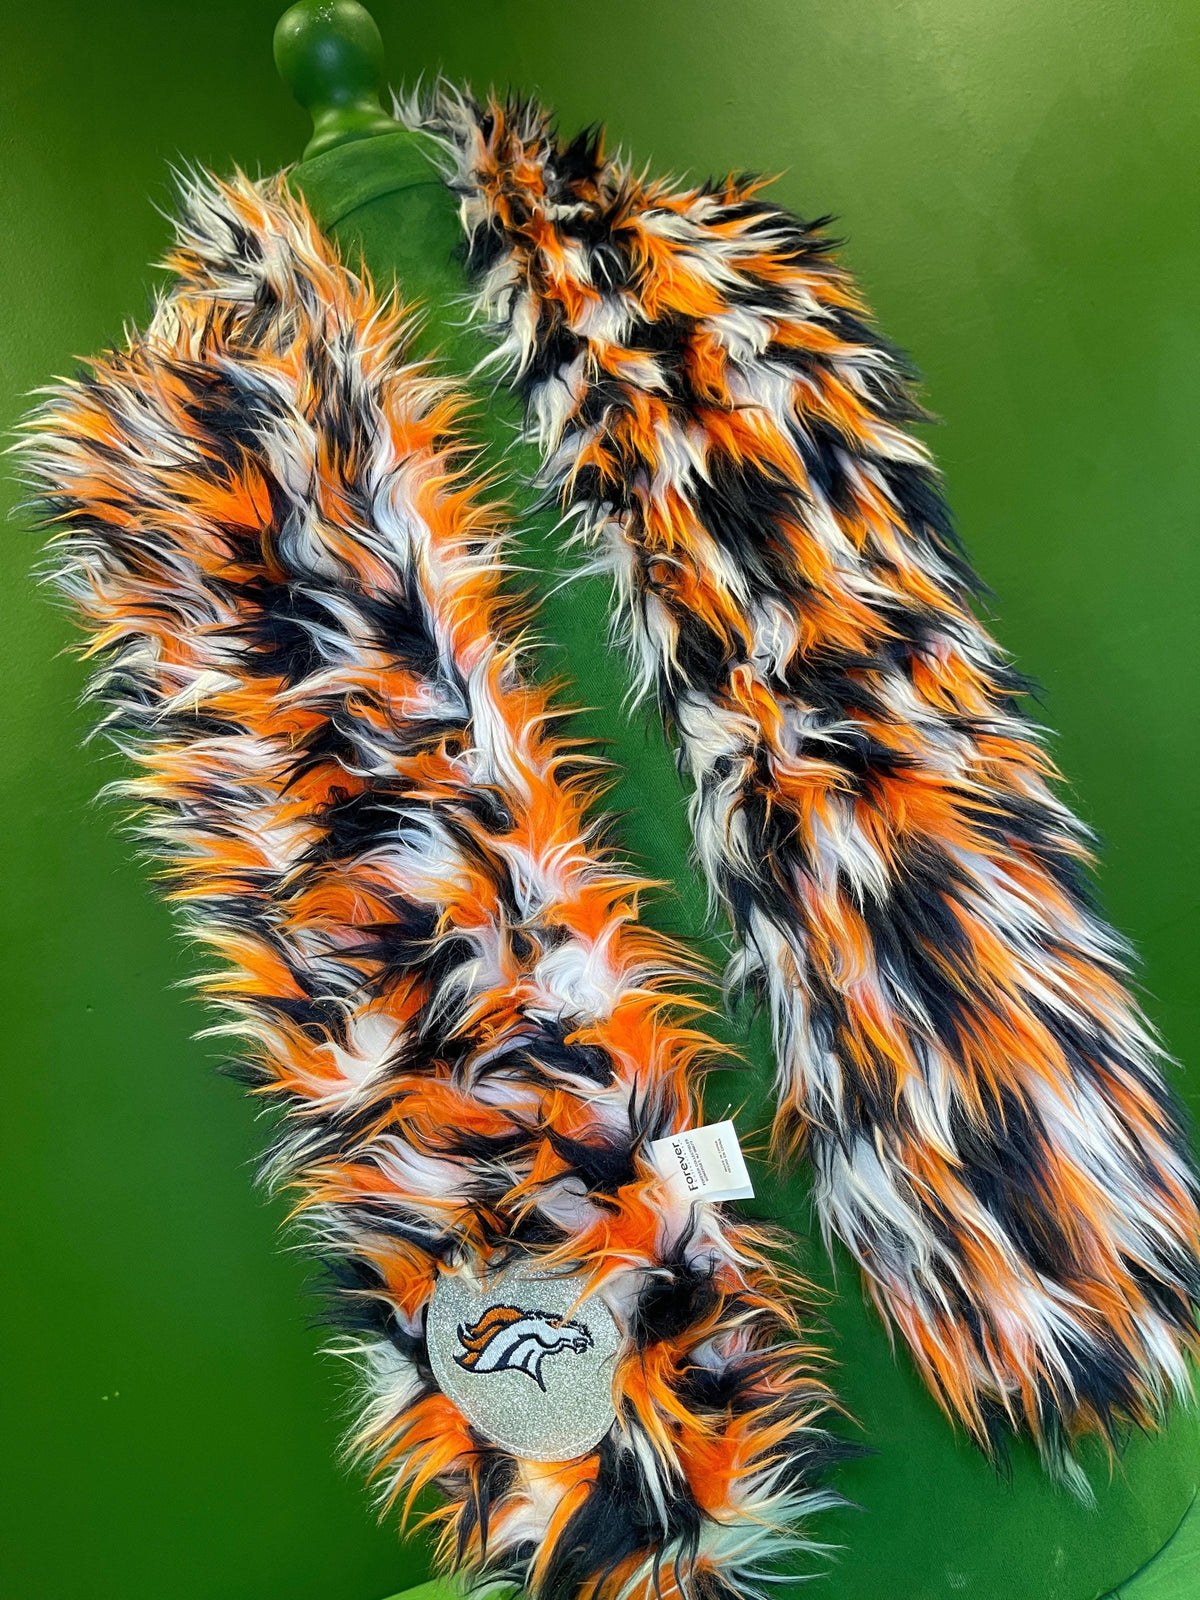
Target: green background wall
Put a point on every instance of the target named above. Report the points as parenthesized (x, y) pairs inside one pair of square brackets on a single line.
[(1017, 185)]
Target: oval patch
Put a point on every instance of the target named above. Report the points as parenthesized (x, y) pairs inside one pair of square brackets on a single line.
[(526, 1360)]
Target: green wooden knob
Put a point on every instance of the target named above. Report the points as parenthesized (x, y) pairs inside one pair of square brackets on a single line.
[(330, 54)]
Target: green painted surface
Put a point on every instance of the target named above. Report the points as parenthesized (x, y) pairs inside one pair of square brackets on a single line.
[(1172, 1574), (1017, 185), (330, 54)]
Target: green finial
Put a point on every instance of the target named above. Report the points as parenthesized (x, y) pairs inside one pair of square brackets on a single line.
[(330, 54)]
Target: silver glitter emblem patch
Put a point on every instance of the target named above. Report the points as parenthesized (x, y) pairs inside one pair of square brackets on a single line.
[(526, 1360)]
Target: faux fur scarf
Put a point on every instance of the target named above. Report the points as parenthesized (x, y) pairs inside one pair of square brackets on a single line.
[(267, 521)]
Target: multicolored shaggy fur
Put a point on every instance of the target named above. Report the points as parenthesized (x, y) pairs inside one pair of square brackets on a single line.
[(980, 1095), (264, 517)]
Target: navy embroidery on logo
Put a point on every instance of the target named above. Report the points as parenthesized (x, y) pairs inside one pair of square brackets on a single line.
[(510, 1339)]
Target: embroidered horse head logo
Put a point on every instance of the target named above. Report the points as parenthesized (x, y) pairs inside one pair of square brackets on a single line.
[(509, 1339)]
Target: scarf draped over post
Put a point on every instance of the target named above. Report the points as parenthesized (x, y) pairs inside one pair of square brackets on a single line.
[(268, 519)]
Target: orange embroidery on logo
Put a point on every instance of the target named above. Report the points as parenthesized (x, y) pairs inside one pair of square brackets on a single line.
[(510, 1339)]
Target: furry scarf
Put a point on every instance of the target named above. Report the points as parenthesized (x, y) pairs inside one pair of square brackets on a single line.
[(266, 518)]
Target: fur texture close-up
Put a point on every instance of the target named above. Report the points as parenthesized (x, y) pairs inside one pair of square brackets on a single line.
[(263, 513), (958, 1049)]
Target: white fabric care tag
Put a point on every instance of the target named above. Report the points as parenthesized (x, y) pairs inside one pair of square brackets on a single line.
[(704, 1163)]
